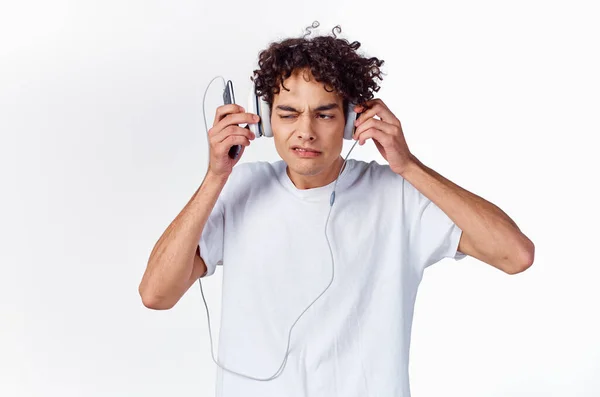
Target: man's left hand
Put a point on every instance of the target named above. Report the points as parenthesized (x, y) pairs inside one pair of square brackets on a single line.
[(386, 133)]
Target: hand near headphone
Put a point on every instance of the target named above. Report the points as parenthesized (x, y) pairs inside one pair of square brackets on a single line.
[(225, 133), (386, 133)]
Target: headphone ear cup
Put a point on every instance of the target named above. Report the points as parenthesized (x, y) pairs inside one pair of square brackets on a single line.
[(258, 106), (265, 118), (351, 117)]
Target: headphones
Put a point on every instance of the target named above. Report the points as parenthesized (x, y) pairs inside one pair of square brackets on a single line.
[(258, 106)]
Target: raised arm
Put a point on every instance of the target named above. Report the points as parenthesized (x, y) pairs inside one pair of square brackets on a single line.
[(175, 262)]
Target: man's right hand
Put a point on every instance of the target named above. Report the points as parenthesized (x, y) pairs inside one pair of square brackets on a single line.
[(226, 133)]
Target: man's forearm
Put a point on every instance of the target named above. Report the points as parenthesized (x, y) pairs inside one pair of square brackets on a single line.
[(170, 264), (494, 236)]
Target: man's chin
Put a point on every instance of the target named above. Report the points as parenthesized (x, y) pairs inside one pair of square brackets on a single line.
[(305, 168)]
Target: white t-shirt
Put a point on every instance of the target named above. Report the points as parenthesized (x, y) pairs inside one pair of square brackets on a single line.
[(269, 237)]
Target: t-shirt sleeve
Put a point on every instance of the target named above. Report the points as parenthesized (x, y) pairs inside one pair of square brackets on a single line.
[(433, 236), (212, 239)]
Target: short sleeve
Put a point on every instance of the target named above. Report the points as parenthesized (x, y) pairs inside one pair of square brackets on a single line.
[(433, 236), (212, 239)]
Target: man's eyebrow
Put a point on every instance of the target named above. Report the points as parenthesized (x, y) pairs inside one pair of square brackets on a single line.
[(329, 106)]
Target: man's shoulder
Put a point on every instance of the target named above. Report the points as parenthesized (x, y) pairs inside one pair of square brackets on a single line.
[(250, 175), (253, 170), (375, 171)]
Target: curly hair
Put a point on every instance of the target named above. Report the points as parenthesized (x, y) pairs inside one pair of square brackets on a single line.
[(331, 60)]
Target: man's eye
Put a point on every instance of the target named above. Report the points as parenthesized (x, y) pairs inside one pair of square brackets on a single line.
[(322, 116)]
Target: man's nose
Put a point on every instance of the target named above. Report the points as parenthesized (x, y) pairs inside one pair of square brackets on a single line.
[(305, 127)]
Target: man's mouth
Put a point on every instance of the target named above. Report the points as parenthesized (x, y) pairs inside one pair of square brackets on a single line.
[(304, 152), (301, 149)]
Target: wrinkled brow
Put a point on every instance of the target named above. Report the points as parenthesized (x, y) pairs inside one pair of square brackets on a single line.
[(319, 109)]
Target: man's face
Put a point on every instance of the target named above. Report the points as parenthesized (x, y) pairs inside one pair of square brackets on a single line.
[(310, 117)]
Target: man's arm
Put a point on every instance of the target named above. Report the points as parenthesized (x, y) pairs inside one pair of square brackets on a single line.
[(175, 262), (488, 233)]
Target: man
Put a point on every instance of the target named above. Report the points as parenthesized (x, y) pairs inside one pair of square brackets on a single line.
[(268, 225)]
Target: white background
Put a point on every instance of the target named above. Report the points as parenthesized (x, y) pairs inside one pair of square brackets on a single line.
[(103, 143)]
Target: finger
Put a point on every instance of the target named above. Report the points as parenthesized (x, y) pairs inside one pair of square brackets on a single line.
[(374, 123), (232, 130), (375, 134), (224, 110), (231, 140), (379, 109), (236, 118), (235, 140)]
